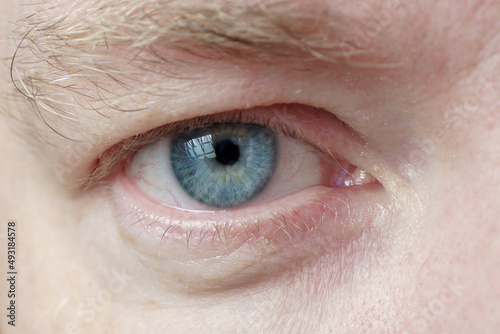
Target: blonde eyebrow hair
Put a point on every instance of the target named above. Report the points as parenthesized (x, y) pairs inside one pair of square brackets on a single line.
[(65, 44), (283, 28)]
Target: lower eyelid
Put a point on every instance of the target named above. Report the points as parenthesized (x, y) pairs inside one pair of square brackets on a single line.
[(297, 213), (216, 250)]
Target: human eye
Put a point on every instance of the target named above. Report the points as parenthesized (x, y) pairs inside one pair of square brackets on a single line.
[(243, 184), (236, 160)]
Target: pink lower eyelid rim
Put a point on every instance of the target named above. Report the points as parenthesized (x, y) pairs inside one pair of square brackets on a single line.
[(299, 214)]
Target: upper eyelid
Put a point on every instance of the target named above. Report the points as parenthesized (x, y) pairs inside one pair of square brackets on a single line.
[(112, 157)]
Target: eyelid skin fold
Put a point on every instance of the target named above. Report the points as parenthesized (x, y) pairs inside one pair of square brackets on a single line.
[(310, 125)]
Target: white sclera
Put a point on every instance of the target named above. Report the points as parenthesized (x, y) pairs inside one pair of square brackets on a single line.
[(298, 168)]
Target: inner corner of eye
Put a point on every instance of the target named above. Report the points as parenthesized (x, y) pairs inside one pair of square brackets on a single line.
[(348, 175)]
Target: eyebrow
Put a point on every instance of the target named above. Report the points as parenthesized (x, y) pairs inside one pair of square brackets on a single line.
[(282, 28), (64, 45)]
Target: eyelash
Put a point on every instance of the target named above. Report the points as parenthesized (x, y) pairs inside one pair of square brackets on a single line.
[(275, 222), (108, 161)]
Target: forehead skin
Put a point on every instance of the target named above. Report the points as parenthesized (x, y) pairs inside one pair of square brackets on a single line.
[(427, 80)]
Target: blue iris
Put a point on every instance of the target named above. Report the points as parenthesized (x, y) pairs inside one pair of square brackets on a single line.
[(224, 165)]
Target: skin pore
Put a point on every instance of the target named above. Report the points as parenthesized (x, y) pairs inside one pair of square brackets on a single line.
[(406, 91)]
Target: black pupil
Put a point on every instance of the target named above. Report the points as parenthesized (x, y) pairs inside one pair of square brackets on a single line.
[(227, 152)]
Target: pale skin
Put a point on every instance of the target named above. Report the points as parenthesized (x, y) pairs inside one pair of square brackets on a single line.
[(417, 255)]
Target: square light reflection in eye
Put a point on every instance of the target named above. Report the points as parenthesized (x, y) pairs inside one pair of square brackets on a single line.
[(201, 147)]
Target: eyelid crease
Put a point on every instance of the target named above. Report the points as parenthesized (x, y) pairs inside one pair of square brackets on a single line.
[(111, 158)]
